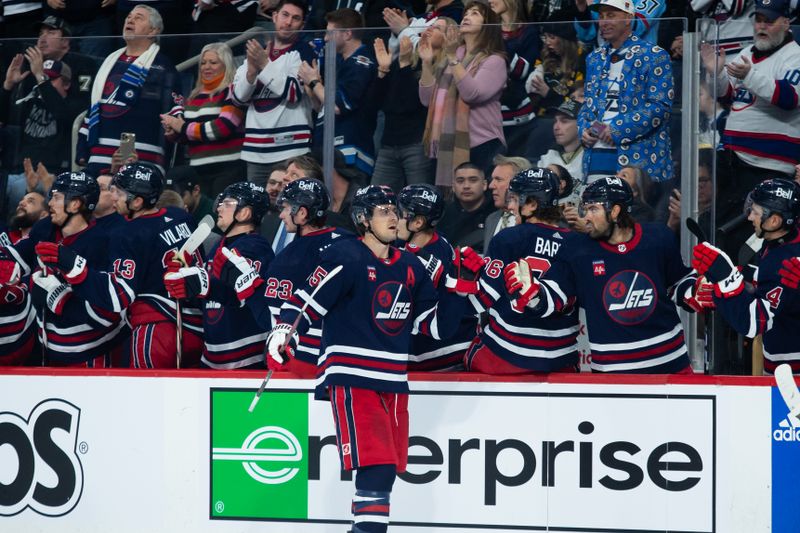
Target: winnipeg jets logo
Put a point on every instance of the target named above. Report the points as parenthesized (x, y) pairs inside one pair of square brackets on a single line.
[(629, 297), (391, 307)]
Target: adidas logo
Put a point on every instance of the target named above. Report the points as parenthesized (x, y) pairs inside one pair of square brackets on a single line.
[(167, 219), (557, 235), (789, 430)]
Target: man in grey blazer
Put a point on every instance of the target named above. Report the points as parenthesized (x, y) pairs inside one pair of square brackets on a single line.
[(505, 168)]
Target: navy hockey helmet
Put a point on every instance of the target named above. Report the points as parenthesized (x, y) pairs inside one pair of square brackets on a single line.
[(77, 185), (541, 184), (421, 199), (366, 199), (777, 196), (306, 192), (140, 179), (609, 191), (249, 195)]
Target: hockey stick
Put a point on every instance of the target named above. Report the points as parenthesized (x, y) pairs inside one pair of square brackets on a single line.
[(296, 322), (789, 391), (191, 245), (693, 226)]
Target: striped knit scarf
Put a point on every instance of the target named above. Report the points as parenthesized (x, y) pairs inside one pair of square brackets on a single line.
[(446, 136), (130, 86)]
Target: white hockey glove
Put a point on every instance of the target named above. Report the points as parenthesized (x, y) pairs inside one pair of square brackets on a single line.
[(50, 291), (521, 285), (236, 272), (281, 346), (433, 266)]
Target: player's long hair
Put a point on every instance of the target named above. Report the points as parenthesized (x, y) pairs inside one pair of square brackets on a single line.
[(225, 55)]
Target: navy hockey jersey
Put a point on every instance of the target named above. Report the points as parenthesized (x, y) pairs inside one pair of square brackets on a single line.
[(632, 323), (291, 270), (772, 310), (82, 331), (355, 123), (232, 338), (133, 277), (447, 353), (369, 310), (525, 339), (17, 317)]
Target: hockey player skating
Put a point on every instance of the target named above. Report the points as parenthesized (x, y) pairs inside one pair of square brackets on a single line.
[(622, 274), (369, 308), (516, 340), (773, 308), (420, 208), (231, 336), (132, 280)]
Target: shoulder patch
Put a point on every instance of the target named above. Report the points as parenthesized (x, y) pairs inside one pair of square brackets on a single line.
[(363, 60)]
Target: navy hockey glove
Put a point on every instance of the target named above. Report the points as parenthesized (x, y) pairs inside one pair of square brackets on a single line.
[(236, 272), (467, 266), (62, 259), (187, 282), (521, 285), (281, 345), (700, 298), (717, 267), (50, 292), (433, 266), (790, 272), (10, 272)]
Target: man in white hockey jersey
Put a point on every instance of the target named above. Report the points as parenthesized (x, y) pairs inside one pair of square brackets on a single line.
[(762, 134)]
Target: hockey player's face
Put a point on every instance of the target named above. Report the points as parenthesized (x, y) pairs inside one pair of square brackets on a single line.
[(288, 21), (761, 223), (58, 212), (384, 223), (291, 222), (105, 204), (598, 224), (120, 199), (226, 210)]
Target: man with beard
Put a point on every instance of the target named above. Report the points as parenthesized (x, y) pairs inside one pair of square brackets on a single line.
[(621, 274), (30, 209), (278, 124), (761, 137)]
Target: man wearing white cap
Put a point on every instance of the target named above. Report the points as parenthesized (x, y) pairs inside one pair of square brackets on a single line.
[(629, 92)]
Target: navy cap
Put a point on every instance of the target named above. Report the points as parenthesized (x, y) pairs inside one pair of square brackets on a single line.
[(773, 8)]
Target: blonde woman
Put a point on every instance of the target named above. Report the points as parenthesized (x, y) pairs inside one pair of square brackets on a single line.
[(211, 127), (464, 122)]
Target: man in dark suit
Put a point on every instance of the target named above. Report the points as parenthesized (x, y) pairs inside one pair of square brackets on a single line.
[(505, 168)]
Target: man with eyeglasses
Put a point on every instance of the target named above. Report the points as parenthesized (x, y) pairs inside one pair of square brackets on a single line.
[(463, 220)]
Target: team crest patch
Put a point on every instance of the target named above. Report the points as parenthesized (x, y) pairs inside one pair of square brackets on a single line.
[(629, 297), (391, 307), (371, 274), (599, 268)]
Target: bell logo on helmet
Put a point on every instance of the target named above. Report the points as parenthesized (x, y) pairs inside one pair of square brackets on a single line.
[(783, 193), (614, 181), (306, 185), (145, 176), (428, 195)]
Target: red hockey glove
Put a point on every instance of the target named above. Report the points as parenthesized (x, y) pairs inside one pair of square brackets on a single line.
[(174, 260), (49, 291), (701, 297), (433, 266), (10, 272), (467, 266), (62, 259), (790, 272), (521, 285), (281, 346), (717, 267), (187, 282), (236, 272)]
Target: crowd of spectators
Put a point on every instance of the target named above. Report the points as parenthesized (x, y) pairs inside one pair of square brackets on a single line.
[(459, 96)]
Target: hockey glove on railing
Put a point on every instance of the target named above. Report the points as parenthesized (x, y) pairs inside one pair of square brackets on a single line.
[(433, 266), (790, 272), (49, 291), (236, 272), (281, 345), (717, 267), (10, 272), (467, 266), (62, 259), (187, 282), (700, 298), (521, 285)]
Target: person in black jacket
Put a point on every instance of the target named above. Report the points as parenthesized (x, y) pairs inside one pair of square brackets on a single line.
[(401, 159)]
